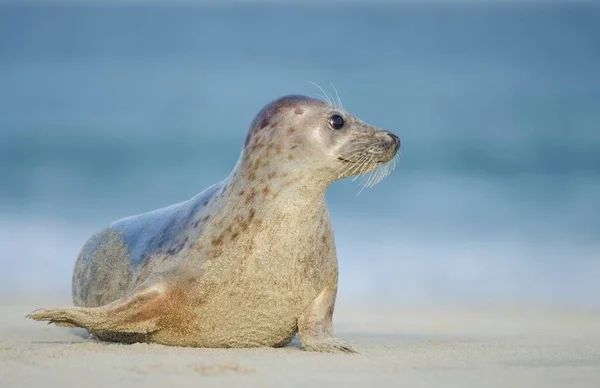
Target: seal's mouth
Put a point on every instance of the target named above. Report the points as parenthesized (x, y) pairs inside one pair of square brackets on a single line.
[(353, 162)]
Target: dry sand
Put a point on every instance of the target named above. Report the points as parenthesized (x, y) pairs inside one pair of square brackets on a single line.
[(400, 346)]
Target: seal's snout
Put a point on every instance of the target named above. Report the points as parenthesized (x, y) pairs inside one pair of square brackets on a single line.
[(395, 139)]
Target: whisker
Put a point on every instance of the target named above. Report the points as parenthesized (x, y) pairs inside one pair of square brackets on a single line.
[(359, 167), (374, 176), (371, 173), (384, 171), (337, 173), (347, 168), (368, 178), (321, 97), (362, 159), (341, 106), (326, 97), (344, 169), (388, 169)]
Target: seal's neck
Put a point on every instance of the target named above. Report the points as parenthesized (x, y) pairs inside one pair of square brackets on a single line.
[(263, 181), (272, 190), (263, 203)]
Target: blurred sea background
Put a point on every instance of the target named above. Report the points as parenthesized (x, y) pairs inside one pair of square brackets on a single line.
[(110, 109)]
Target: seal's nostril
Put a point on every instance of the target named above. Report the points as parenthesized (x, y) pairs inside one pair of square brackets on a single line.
[(395, 138)]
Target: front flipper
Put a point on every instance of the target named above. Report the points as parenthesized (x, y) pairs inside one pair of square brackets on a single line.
[(315, 327), (138, 312)]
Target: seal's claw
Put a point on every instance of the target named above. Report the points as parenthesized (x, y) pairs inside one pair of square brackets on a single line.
[(38, 315), (348, 349), (329, 345), (53, 316)]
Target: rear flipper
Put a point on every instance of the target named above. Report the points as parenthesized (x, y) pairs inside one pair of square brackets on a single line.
[(138, 312)]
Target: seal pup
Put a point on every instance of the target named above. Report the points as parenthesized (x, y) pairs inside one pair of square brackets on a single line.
[(248, 262)]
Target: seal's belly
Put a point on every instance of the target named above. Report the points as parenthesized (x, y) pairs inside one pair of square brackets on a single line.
[(240, 317), (251, 319), (261, 308)]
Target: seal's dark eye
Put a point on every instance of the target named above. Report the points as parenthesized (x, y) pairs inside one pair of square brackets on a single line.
[(336, 122)]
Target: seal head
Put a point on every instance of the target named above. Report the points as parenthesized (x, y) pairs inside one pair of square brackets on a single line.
[(319, 139)]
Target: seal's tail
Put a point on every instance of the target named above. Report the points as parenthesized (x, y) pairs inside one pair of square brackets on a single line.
[(138, 312)]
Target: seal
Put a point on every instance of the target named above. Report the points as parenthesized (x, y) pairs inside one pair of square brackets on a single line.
[(248, 262)]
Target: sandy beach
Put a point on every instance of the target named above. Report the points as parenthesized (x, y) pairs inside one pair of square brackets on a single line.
[(484, 240), (399, 346)]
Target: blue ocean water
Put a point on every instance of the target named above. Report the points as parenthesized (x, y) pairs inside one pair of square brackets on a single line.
[(108, 111)]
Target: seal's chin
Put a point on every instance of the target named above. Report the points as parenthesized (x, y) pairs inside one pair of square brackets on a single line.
[(372, 167), (357, 166)]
